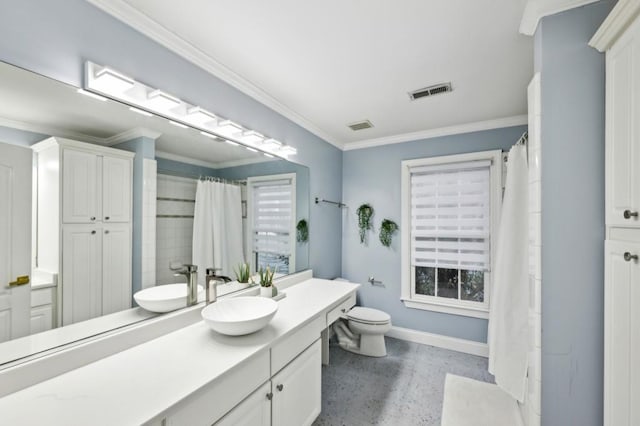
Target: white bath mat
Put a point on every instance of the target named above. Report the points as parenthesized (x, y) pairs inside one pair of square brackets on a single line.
[(468, 402)]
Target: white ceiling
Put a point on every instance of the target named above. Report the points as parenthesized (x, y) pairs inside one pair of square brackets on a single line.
[(330, 63)]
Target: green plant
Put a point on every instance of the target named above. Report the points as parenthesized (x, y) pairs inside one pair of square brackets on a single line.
[(243, 272), (387, 229), (365, 213), (302, 231), (266, 277)]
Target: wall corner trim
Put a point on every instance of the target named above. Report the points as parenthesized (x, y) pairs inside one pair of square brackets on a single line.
[(132, 17), (621, 16), (440, 341)]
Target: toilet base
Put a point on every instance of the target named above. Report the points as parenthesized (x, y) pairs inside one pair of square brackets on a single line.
[(370, 345)]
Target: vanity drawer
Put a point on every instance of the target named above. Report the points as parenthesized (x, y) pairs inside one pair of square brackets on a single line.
[(212, 401), (291, 346), (341, 309), (42, 296)]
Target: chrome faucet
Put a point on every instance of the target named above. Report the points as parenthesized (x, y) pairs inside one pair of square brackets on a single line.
[(212, 281), (191, 273)]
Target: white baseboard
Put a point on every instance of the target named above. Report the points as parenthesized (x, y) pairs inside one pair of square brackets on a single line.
[(440, 341)]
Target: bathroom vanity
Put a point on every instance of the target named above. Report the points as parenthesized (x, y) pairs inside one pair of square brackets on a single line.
[(196, 376)]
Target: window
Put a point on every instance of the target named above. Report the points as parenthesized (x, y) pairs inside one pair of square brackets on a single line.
[(450, 208), (272, 212)]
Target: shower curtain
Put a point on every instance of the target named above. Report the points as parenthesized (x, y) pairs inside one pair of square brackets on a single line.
[(508, 317), (217, 228)]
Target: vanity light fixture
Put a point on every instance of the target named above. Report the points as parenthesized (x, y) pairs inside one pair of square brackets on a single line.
[(175, 123), (141, 112), (251, 136), (199, 115), (102, 80), (227, 128), (92, 95), (158, 99), (112, 81)]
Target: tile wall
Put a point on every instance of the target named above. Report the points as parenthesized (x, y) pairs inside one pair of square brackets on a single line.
[(174, 234)]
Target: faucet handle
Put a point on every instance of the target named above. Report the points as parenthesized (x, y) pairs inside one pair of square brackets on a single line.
[(190, 268), (212, 270)]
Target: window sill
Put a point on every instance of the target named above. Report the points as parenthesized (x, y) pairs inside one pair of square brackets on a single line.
[(445, 308)]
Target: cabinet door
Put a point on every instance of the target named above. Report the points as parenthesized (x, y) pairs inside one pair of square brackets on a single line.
[(116, 189), (253, 411), (623, 130), (622, 336), (297, 389), (80, 187), (116, 267), (41, 319), (81, 277)]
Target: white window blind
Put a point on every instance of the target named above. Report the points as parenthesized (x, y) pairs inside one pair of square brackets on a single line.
[(272, 216), (451, 215)]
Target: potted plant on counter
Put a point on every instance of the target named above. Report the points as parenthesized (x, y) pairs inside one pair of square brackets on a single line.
[(267, 289), (243, 273)]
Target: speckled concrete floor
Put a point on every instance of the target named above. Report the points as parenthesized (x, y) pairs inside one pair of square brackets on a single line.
[(403, 389)]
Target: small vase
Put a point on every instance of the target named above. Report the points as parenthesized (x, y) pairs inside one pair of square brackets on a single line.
[(266, 291)]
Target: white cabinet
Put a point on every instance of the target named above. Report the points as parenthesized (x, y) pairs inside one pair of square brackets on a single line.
[(297, 390), (42, 312), (622, 339), (291, 398), (620, 37), (253, 411), (623, 130), (84, 230), (96, 266), (96, 187)]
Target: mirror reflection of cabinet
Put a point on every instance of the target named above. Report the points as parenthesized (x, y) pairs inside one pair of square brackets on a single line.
[(90, 188)]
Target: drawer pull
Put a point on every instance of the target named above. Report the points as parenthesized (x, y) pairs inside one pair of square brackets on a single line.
[(629, 257), (628, 214), (106, 232), (92, 218), (106, 218), (93, 232), (280, 387)]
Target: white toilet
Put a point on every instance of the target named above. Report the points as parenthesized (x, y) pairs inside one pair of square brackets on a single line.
[(365, 332)]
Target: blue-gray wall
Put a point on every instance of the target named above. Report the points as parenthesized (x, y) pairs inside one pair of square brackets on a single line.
[(55, 38), (573, 100), (373, 175), (20, 137)]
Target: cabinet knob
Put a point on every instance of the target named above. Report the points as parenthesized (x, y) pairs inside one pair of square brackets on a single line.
[(280, 387), (93, 232), (106, 232), (269, 396), (106, 218), (92, 218), (628, 214), (629, 257)]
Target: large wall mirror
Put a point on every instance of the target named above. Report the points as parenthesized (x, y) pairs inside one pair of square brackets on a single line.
[(101, 202)]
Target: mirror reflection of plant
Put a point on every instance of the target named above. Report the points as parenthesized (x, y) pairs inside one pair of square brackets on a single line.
[(243, 273), (365, 213), (387, 229), (302, 231), (266, 277)]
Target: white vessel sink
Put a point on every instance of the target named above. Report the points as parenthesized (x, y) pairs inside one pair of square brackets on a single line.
[(237, 316), (165, 298)]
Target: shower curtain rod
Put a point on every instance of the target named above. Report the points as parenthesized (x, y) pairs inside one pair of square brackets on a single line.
[(200, 177)]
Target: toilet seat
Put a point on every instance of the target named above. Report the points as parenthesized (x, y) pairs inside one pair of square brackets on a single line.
[(368, 316)]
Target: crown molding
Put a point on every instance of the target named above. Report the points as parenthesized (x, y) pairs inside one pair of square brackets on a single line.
[(535, 10), (477, 126), (127, 135), (158, 33), (51, 131), (618, 20)]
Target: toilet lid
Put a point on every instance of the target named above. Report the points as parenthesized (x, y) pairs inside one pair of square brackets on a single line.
[(372, 316)]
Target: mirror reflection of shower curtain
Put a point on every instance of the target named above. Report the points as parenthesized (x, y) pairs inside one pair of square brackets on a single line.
[(217, 228)]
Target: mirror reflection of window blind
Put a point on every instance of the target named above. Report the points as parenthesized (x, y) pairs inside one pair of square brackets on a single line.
[(272, 217), (450, 215)]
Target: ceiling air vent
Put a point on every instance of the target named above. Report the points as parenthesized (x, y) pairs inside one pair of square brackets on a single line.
[(360, 125), (430, 91)]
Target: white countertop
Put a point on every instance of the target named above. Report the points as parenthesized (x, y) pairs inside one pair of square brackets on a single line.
[(135, 385)]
